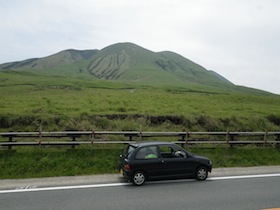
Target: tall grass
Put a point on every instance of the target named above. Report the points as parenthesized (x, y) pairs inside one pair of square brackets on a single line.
[(42, 162), (30, 99), (57, 107), (55, 161)]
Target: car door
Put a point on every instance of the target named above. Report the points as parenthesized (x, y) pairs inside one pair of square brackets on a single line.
[(147, 159), (175, 161)]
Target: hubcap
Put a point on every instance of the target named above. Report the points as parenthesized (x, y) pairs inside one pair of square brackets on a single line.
[(139, 178), (201, 174)]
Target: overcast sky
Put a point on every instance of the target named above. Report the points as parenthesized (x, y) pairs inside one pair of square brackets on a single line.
[(239, 39)]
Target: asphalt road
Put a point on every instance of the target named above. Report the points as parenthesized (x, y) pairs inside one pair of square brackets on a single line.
[(233, 188)]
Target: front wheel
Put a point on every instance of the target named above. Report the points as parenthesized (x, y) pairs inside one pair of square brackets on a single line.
[(138, 178), (201, 173)]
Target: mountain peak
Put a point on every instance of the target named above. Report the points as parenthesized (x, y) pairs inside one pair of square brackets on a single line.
[(125, 62)]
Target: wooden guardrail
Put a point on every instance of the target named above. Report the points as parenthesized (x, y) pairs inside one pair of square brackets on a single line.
[(73, 138)]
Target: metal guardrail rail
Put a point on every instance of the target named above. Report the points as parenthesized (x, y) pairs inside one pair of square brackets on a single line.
[(74, 138)]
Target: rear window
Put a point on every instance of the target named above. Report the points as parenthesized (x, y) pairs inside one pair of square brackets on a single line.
[(128, 150), (149, 152)]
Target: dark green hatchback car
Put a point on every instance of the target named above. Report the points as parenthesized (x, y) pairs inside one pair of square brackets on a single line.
[(161, 160)]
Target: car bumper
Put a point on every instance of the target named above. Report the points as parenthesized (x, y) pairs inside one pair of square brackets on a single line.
[(210, 168), (125, 173)]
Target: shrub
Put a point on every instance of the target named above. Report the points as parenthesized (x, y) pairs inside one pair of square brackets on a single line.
[(274, 119)]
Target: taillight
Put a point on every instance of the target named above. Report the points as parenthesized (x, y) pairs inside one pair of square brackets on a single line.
[(127, 167)]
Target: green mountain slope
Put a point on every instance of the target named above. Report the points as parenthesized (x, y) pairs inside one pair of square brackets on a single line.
[(59, 59), (130, 63)]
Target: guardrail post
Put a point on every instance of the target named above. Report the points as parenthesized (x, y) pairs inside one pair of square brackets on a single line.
[(40, 138), (130, 136), (73, 139), (231, 138), (140, 134), (91, 145), (264, 138), (227, 137), (10, 140), (278, 140), (184, 137)]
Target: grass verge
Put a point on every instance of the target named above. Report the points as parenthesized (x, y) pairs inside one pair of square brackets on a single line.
[(33, 162)]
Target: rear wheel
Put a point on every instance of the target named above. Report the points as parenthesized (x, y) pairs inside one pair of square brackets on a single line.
[(138, 178), (201, 173)]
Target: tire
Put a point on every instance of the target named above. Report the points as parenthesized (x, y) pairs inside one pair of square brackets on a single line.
[(201, 173), (138, 178)]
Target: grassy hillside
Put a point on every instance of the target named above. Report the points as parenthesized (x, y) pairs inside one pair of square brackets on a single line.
[(124, 87), (29, 99), (129, 63), (62, 58), (126, 62)]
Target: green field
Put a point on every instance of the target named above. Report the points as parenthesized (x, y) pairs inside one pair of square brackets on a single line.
[(28, 100)]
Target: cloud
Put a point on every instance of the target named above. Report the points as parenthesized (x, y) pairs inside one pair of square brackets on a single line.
[(238, 39)]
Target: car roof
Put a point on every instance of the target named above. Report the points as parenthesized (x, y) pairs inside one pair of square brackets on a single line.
[(149, 143)]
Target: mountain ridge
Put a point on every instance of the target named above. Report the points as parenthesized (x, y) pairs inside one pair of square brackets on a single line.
[(128, 62), (61, 58)]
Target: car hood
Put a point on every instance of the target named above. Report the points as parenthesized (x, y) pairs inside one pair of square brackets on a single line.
[(200, 157)]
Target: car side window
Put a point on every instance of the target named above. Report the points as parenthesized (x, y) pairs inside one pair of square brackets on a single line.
[(171, 152), (149, 152)]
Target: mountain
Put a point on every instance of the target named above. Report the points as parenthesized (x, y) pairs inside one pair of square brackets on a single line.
[(220, 76), (59, 59), (128, 62)]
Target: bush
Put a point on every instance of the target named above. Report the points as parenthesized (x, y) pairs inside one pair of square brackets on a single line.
[(274, 119)]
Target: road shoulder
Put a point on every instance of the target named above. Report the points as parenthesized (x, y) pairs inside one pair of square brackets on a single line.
[(117, 178)]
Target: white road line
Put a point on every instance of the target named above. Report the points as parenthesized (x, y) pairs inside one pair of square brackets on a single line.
[(243, 177), (63, 188), (124, 184)]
